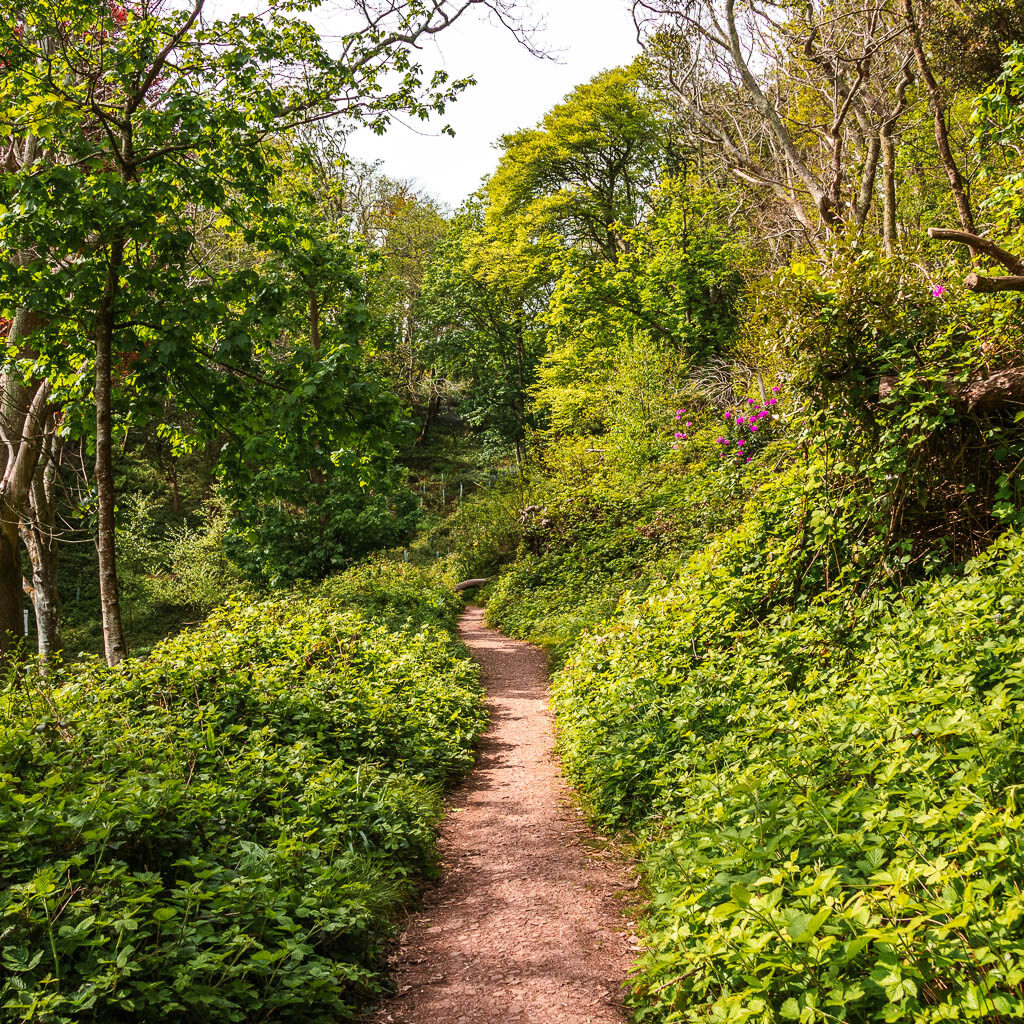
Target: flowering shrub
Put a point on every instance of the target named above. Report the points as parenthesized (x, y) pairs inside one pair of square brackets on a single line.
[(684, 428), (747, 429)]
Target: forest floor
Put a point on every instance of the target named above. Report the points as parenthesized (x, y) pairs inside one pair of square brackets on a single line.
[(527, 922)]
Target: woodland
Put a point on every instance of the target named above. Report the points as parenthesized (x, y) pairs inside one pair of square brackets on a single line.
[(715, 386)]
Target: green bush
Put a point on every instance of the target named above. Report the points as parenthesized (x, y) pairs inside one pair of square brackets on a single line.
[(826, 797), (200, 574), (226, 830), (599, 537)]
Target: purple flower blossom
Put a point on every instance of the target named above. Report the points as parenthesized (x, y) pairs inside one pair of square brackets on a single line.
[(938, 291), (728, 415), (689, 424), (741, 442), (772, 401), (753, 428), (741, 419), (678, 435), (775, 391)]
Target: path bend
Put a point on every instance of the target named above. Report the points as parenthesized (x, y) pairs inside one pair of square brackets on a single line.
[(527, 921)]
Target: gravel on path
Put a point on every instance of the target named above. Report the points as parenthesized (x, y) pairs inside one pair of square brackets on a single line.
[(526, 923)]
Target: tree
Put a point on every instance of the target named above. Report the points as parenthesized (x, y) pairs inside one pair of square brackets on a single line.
[(583, 174), (672, 300), (806, 104), (308, 457), (480, 331), (154, 118)]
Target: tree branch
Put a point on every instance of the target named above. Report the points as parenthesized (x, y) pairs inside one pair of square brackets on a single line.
[(1014, 264)]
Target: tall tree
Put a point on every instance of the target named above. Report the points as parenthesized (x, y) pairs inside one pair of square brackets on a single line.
[(151, 114), (584, 173)]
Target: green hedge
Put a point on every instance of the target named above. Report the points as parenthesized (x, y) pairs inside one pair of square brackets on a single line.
[(827, 798), (226, 830)]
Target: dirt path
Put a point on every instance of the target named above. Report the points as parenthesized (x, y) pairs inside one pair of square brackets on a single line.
[(526, 924)]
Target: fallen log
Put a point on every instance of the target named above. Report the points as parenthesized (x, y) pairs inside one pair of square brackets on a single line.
[(473, 584)]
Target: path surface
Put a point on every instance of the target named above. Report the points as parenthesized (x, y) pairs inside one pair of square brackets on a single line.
[(527, 922)]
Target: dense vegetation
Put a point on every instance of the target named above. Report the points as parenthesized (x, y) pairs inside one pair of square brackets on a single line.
[(720, 373), (771, 536), (227, 829)]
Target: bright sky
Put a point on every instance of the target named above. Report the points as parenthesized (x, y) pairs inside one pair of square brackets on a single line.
[(514, 90)]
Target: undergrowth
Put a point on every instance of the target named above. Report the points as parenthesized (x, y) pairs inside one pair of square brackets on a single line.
[(227, 829), (787, 604)]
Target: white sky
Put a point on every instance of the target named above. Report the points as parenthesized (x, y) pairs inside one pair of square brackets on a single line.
[(514, 90)]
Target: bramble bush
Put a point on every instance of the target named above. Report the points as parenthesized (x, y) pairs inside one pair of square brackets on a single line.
[(227, 829)]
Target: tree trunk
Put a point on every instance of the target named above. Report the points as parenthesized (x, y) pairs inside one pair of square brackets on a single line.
[(110, 604), (314, 321), (888, 190), (433, 408), (175, 493), (39, 535), (23, 424), (12, 626), (938, 107)]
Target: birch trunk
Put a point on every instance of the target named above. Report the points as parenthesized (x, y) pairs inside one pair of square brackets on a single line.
[(110, 603)]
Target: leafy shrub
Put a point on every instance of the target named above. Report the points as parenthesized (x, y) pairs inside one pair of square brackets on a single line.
[(225, 830), (877, 352), (201, 576), (603, 534), (826, 796), (400, 595)]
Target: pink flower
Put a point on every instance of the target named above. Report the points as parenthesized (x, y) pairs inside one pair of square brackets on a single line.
[(775, 391), (748, 460), (689, 424), (750, 401), (938, 291), (753, 428), (772, 401), (728, 415), (741, 419), (683, 436), (741, 443), (678, 435)]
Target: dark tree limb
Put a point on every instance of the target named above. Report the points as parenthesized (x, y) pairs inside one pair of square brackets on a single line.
[(1001, 389), (1014, 264), (978, 283), (988, 394)]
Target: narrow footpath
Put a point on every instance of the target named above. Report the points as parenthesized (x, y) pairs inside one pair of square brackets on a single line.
[(527, 921)]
